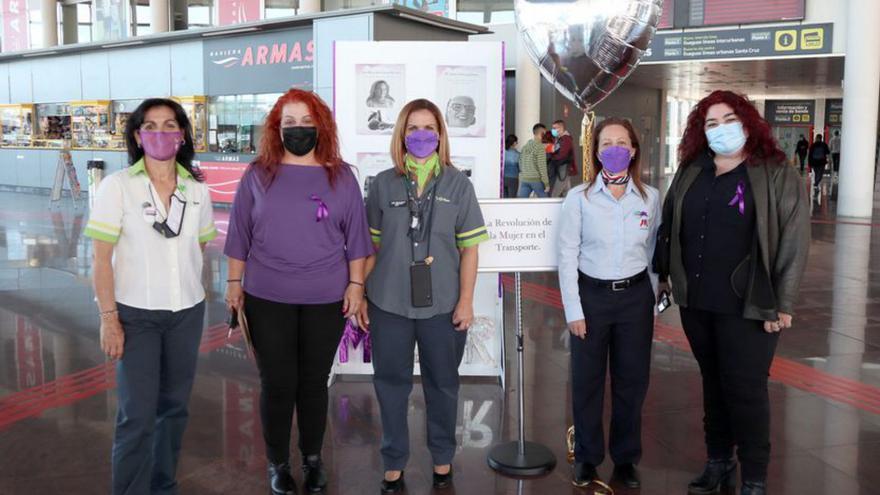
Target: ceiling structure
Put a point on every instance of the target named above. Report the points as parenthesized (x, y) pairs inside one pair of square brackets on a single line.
[(813, 77)]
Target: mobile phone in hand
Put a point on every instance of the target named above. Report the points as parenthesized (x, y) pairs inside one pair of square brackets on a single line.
[(663, 303)]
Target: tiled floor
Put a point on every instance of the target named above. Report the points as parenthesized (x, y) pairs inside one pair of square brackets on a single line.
[(56, 439)]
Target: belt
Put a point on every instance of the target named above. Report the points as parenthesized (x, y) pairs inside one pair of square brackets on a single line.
[(616, 285)]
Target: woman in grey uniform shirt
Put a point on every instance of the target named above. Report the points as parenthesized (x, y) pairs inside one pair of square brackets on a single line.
[(426, 225)]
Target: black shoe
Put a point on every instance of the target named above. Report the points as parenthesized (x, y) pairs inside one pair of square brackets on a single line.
[(584, 474), (627, 475), (442, 481), (754, 488), (280, 480), (395, 486), (313, 471), (718, 474)]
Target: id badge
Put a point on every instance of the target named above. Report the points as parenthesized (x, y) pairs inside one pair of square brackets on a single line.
[(420, 281)]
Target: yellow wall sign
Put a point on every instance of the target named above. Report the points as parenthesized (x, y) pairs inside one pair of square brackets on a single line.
[(812, 39), (786, 40)]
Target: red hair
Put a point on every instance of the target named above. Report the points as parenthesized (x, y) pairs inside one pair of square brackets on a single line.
[(271, 149), (760, 145)]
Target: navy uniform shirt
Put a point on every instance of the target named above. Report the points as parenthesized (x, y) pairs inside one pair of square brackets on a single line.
[(457, 223)]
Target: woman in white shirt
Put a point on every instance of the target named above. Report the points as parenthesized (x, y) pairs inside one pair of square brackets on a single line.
[(149, 225), (606, 242)]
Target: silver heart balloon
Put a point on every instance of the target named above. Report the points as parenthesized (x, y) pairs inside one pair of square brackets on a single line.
[(586, 48)]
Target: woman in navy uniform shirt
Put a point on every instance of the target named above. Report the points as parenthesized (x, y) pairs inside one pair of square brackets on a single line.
[(606, 241)]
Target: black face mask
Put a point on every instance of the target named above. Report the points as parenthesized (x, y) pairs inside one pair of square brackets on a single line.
[(300, 140)]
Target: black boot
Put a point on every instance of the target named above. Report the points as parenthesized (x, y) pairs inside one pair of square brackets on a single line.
[(718, 474), (315, 476), (754, 488), (280, 480)]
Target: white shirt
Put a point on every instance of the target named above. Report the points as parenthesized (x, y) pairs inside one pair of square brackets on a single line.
[(151, 271), (605, 238)]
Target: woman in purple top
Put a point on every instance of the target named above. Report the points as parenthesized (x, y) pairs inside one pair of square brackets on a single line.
[(298, 240)]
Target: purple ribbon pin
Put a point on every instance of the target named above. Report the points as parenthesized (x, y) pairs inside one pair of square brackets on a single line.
[(739, 198), (323, 212), (354, 336)]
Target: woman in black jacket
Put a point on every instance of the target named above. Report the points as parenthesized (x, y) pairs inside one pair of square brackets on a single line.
[(733, 244)]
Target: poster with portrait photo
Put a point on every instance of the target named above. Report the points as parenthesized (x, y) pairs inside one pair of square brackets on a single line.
[(381, 92), (461, 94), (369, 165), (465, 164)]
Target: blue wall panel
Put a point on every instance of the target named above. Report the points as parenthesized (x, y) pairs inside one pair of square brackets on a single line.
[(57, 80), (140, 72)]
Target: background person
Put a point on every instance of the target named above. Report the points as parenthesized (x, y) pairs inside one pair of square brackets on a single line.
[(801, 151), (834, 146), (298, 239), (561, 160), (511, 166), (819, 153), (533, 176), (734, 243), (607, 234), (149, 224), (426, 225)]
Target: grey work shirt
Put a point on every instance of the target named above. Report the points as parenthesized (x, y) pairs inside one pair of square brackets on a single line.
[(457, 223)]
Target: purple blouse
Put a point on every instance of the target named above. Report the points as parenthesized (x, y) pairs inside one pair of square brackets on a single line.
[(294, 255)]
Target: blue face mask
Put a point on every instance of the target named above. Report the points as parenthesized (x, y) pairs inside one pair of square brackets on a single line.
[(726, 139), (554, 132)]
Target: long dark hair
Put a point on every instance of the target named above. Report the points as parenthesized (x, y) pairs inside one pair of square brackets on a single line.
[(187, 150), (760, 145), (635, 166)]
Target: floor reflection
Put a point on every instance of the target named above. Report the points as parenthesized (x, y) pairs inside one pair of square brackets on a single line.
[(57, 405)]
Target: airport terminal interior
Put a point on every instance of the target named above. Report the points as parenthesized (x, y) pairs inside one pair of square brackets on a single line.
[(807, 65)]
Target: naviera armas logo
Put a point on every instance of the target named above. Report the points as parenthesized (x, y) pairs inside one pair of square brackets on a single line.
[(264, 54)]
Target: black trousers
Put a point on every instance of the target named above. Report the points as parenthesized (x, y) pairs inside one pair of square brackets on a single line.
[(835, 157), (818, 171), (734, 355), (295, 346), (620, 325), (803, 160)]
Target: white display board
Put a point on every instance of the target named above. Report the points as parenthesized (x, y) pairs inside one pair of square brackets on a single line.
[(523, 235), (372, 82)]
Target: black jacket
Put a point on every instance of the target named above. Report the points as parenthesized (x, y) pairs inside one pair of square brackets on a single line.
[(771, 275)]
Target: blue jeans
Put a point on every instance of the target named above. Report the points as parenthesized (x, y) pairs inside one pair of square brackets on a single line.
[(154, 380), (526, 188)]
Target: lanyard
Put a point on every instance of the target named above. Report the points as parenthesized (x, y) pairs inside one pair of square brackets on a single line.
[(171, 224), (418, 208)]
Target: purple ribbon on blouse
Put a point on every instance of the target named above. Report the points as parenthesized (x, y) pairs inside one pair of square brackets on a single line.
[(323, 212), (354, 336), (739, 198)]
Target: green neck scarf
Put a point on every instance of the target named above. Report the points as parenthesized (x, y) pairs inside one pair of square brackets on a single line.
[(423, 171)]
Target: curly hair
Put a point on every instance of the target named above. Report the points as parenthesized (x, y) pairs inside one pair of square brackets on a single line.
[(760, 146), (271, 150)]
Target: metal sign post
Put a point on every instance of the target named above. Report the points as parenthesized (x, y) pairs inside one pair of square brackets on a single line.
[(521, 458), (523, 239)]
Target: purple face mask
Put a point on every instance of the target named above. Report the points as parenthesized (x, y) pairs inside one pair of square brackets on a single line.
[(615, 159), (161, 145), (422, 143)]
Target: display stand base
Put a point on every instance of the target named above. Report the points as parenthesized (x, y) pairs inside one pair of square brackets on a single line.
[(536, 459)]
